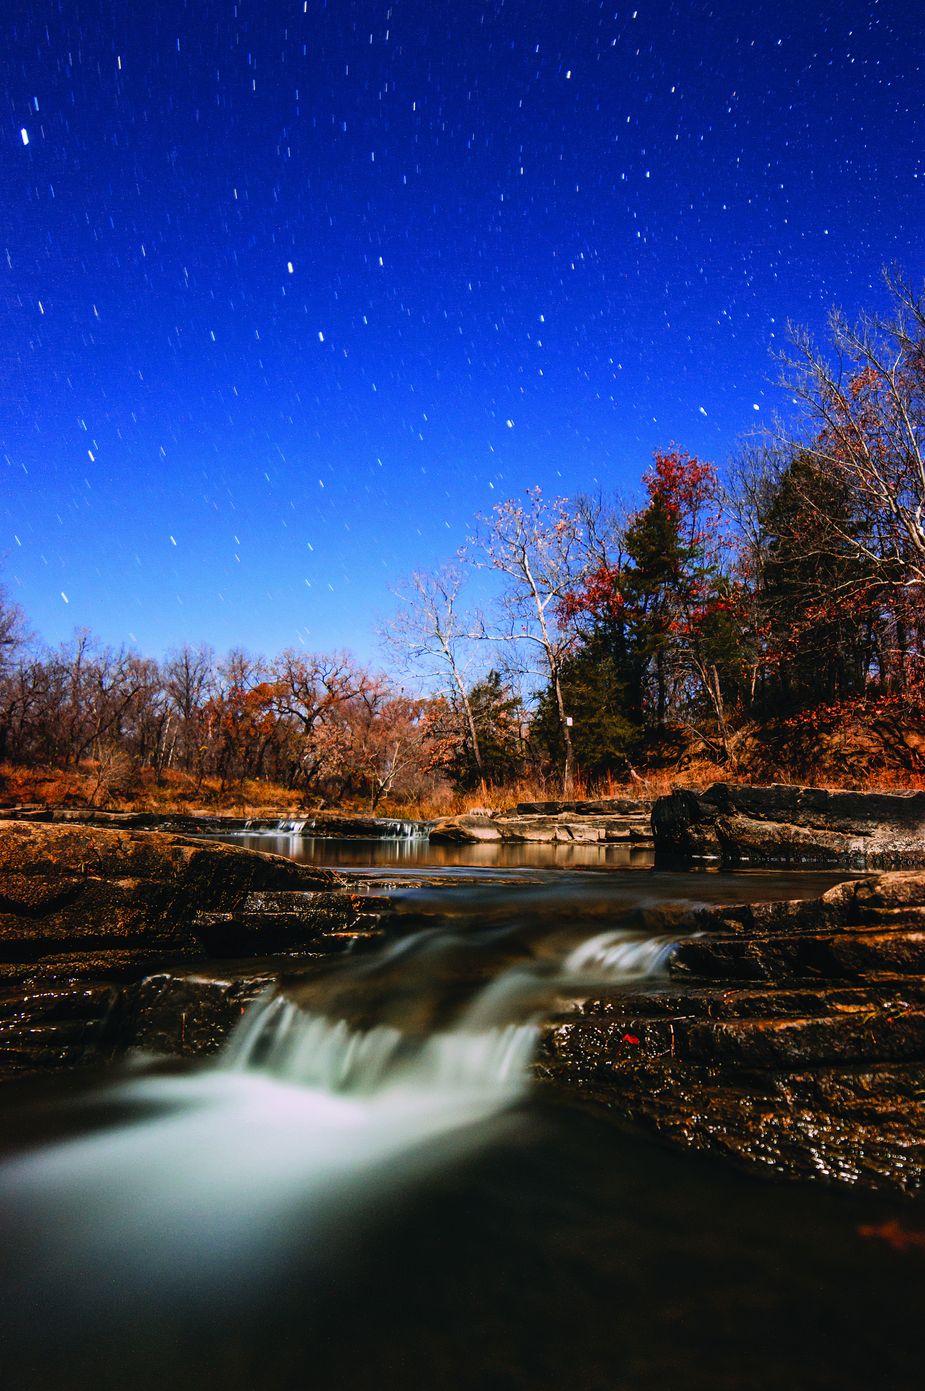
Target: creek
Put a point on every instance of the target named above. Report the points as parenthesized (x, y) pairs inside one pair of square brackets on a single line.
[(365, 1189)]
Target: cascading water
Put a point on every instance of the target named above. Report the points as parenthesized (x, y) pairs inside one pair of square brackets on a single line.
[(280, 1040), (300, 1111), (621, 955), (360, 1179)]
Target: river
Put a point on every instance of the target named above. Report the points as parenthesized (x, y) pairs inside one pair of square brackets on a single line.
[(365, 1190)]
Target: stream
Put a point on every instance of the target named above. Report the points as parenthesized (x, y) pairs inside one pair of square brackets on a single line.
[(365, 1189)]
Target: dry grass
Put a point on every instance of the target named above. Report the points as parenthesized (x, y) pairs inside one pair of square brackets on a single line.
[(652, 784), (124, 789), (142, 791)]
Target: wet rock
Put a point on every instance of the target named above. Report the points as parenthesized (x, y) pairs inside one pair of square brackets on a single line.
[(790, 1035), (79, 888), (319, 922), (86, 912), (54, 1026), (736, 825), (185, 1014)]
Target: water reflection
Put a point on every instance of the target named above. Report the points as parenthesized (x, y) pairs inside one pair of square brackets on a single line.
[(418, 851)]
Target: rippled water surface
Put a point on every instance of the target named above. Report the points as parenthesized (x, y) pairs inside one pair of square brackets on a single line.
[(365, 1190)]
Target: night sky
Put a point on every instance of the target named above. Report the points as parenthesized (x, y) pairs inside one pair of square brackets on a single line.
[(290, 291)]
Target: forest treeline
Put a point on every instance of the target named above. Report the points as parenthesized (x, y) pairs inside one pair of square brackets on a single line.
[(785, 594)]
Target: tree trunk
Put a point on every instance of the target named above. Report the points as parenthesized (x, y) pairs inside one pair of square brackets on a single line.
[(568, 772)]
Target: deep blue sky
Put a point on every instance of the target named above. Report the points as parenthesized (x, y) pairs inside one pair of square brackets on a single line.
[(529, 242)]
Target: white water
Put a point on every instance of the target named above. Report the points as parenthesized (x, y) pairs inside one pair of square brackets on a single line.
[(299, 1114), (621, 956), (389, 829)]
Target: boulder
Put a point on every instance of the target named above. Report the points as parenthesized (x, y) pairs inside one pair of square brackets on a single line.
[(733, 825)]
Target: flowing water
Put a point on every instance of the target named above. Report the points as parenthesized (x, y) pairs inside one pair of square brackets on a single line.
[(363, 1189)]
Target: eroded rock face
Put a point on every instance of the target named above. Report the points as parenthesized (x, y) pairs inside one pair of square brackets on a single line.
[(791, 1035), (781, 825), (77, 888), (87, 912)]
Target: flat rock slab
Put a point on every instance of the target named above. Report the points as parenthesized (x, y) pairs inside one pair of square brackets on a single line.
[(84, 887), (563, 826), (735, 826), (314, 825)]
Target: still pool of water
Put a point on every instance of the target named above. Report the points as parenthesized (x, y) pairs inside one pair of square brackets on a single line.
[(417, 851), (365, 1191)]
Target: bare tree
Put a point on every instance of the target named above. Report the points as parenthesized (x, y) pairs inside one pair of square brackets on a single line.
[(14, 633), (310, 691), (385, 741), (540, 548), (188, 676), (866, 419), (430, 635)]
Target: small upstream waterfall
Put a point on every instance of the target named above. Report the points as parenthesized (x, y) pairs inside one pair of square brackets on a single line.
[(376, 828)]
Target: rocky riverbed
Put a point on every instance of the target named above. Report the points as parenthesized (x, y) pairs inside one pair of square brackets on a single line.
[(90, 915), (790, 1035), (615, 821)]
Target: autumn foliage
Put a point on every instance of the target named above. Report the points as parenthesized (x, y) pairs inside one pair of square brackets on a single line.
[(770, 621)]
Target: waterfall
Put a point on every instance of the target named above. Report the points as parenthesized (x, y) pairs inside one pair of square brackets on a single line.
[(198, 1172), (621, 956), (278, 1038), (289, 828)]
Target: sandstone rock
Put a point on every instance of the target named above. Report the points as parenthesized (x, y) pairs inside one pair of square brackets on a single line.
[(780, 825), (86, 912), (465, 830), (81, 888), (584, 823)]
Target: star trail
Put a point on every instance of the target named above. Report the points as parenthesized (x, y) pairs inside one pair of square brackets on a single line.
[(290, 291)]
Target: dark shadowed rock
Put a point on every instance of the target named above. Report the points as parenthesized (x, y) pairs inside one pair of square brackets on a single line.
[(808, 827)]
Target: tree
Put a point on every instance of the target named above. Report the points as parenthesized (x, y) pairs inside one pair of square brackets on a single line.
[(432, 637), (385, 743), (188, 677), (661, 611), (311, 692), (537, 546), (498, 716), (603, 735), (816, 595), (866, 427)]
